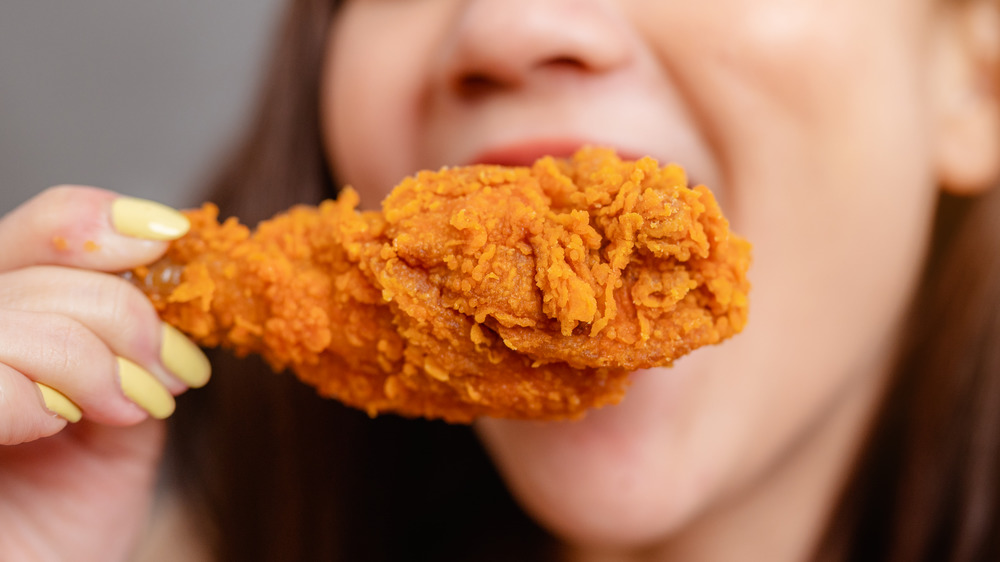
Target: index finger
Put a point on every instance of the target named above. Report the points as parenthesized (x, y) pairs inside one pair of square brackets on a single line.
[(87, 227)]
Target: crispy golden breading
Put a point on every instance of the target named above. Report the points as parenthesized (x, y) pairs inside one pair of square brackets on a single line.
[(517, 292)]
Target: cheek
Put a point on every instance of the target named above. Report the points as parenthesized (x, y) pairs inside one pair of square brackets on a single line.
[(819, 117), (831, 173), (376, 63), (799, 77), (816, 117)]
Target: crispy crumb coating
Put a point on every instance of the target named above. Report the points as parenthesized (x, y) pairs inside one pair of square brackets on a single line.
[(517, 292)]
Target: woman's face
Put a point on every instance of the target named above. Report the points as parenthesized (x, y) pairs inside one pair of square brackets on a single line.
[(812, 121)]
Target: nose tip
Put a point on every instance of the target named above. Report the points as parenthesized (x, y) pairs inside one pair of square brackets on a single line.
[(505, 43)]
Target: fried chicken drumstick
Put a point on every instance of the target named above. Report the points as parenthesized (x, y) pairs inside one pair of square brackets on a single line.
[(517, 292)]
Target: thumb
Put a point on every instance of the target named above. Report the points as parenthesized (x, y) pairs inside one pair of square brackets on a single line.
[(89, 228)]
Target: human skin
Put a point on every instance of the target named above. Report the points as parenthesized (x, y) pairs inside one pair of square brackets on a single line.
[(79, 491), (825, 129)]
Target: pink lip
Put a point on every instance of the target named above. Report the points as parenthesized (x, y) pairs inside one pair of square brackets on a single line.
[(525, 153)]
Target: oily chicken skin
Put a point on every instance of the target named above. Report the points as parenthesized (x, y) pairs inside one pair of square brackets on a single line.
[(516, 292)]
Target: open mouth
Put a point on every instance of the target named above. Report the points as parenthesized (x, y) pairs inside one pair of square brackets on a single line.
[(525, 153)]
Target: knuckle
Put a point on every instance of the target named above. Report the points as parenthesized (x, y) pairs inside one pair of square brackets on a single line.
[(46, 212), (69, 344), (126, 307), (63, 194), (65, 208), (57, 192), (56, 201)]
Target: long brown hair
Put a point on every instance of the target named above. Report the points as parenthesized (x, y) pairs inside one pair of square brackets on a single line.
[(273, 473), (926, 486)]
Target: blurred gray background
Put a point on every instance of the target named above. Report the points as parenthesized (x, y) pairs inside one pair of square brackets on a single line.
[(136, 96)]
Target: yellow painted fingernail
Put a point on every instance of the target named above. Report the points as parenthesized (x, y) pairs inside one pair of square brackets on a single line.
[(183, 358), (141, 218), (58, 404), (142, 388)]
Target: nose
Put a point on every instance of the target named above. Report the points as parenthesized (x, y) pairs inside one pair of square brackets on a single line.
[(501, 44)]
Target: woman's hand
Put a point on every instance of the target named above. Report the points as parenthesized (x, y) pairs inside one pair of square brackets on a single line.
[(84, 364)]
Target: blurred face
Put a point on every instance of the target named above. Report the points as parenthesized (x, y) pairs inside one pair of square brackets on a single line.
[(810, 120)]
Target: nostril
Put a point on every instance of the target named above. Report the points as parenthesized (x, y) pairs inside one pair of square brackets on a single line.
[(473, 84), (476, 84), (567, 63)]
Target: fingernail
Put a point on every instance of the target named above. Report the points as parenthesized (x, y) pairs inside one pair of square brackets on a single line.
[(58, 404), (141, 218), (142, 388), (183, 358)]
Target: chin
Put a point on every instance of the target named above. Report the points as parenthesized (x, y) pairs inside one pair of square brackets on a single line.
[(609, 481)]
